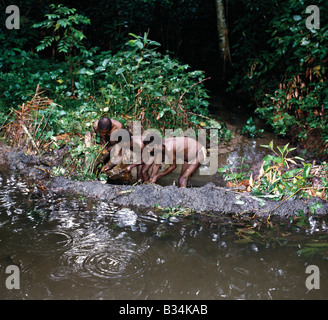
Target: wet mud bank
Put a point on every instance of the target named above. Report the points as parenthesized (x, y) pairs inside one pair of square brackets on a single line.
[(209, 198)]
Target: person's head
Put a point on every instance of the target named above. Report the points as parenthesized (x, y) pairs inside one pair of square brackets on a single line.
[(104, 126)]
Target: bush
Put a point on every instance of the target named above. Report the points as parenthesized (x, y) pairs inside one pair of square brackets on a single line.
[(283, 68), (145, 85), (136, 83)]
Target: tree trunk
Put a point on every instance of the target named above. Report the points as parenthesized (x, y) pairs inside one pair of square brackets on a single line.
[(223, 35)]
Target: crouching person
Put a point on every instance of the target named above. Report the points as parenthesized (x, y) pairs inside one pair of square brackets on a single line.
[(187, 149)]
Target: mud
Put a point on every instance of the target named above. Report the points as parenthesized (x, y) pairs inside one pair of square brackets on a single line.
[(206, 199)]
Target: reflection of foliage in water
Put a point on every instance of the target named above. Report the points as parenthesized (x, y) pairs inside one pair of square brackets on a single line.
[(173, 212), (308, 235), (36, 216)]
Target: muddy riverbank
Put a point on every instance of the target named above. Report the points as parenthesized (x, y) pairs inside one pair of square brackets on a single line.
[(209, 198)]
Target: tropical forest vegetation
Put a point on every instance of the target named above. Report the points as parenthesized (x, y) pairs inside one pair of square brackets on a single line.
[(66, 64)]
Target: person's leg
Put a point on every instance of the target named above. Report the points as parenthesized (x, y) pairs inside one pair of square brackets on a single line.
[(139, 173), (186, 172), (144, 171), (153, 176), (184, 167)]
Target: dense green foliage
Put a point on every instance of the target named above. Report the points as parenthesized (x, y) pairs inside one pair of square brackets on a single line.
[(281, 65), (98, 59), (277, 62), (135, 83), (62, 24)]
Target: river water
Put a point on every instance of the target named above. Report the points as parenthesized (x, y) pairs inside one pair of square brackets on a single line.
[(70, 247)]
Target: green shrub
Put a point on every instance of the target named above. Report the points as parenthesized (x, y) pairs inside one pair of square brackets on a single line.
[(282, 65)]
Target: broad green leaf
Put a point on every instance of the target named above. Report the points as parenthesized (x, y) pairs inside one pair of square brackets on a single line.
[(120, 70), (307, 170)]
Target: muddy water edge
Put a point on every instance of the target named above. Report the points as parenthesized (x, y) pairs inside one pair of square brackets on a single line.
[(84, 240), (75, 247)]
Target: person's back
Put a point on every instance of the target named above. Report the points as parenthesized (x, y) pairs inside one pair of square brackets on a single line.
[(186, 148)]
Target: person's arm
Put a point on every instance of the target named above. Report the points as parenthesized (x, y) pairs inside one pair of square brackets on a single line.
[(170, 169)]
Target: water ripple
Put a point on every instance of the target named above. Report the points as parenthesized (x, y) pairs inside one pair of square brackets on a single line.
[(114, 264), (52, 241), (103, 264)]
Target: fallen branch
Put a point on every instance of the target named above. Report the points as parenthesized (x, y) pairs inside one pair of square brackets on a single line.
[(31, 138), (195, 84)]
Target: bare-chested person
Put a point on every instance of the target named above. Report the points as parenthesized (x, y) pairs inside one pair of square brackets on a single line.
[(188, 149), (105, 127)]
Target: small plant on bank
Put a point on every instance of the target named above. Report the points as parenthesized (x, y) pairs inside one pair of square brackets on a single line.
[(168, 212), (79, 161), (235, 174), (277, 178), (281, 177), (250, 130), (315, 206)]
